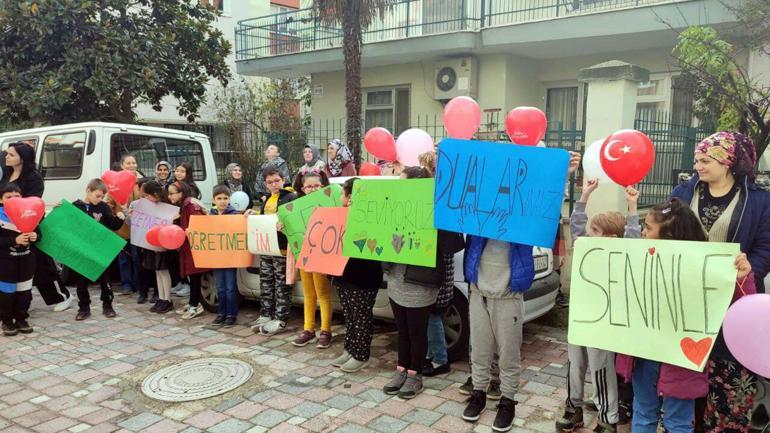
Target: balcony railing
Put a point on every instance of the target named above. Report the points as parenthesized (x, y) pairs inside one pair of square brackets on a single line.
[(301, 30)]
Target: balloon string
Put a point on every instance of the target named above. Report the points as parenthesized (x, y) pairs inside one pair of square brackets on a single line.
[(740, 285)]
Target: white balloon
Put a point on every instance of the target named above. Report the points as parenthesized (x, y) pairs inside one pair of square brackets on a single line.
[(541, 143), (592, 163), (240, 201)]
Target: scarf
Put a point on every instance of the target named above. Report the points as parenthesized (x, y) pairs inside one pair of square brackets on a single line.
[(343, 157), (316, 165), (170, 177), (232, 183), (732, 149)]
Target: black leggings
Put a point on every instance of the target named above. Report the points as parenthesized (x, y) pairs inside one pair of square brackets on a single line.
[(412, 324), (195, 289)]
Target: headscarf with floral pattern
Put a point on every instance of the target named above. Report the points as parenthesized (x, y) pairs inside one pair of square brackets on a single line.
[(733, 149)]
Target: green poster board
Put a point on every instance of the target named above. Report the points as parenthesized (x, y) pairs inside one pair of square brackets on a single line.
[(653, 299), (295, 215), (78, 241), (392, 221)]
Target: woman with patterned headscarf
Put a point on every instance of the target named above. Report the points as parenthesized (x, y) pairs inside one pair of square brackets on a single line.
[(234, 180), (339, 160), (731, 208), (311, 156)]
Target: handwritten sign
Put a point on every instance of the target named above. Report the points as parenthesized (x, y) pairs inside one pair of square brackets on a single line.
[(262, 236), (658, 300), (78, 241), (296, 214), (145, 215), (322, 248), (219, 241), (500, 191), (392, 221)]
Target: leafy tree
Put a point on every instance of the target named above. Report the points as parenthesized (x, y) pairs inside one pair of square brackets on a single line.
[(355, 16), (71, 60)]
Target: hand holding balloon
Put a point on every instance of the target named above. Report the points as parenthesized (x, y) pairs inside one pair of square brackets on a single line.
[(589, 188), (574, 162), (742, 265), (632, 197)]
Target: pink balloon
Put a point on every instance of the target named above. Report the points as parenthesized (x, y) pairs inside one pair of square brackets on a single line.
[(746, 326), (152, 236), (462, 117), (171, 237), (411, 144)]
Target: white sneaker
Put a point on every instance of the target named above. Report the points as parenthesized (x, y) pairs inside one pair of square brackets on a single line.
[(63, 305), (272, 327), (184, 309), (178, 287), (259, 322), (183, 292), (193, 312)]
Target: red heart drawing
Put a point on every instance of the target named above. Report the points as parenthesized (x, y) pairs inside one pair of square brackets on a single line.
[(328, 192), (695, 351), (120, 184), (651, 250), (25, 213), (290, 207)]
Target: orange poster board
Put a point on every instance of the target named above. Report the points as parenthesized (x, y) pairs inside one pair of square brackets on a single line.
[(322, 247), (219, 241)]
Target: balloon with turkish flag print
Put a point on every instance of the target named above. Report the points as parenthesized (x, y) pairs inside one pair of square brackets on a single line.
[(627, 156)]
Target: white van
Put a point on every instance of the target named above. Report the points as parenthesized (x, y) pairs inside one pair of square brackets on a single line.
[(68, 156)]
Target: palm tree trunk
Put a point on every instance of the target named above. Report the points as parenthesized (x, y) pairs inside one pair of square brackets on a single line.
[(351, 48)]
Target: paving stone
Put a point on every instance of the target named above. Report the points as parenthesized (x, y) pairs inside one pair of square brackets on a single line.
[(270, 418), (387, 424), (422, 416), (231, 426), (139, 422)]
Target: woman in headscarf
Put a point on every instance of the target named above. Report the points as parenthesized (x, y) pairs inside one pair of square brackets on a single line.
[(311, 154), (234, 180), (163, 173), (340, 160)]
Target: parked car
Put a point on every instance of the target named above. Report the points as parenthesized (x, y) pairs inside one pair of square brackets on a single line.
[(538, 300)]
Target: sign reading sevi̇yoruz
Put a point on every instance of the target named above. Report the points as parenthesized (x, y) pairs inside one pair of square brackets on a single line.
[(500, 190)]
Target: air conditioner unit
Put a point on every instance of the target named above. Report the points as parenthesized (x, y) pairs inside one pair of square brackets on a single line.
[(455, 77)]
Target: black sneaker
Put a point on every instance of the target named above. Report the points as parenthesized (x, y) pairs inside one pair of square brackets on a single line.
[(142, 299), (561, 300), (108, 311), (83, 315), (605, 428), (23, 327), (506, 411), (155, 306), (571, 420), (165, 306), (9, 329), (467, 387), (493, 391), (476, 404), (431, 371), (229, 322), (218, 321), (624, 412)]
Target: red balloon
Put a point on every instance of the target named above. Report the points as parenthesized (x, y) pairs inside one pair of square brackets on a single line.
[(380, 143), (171, 237), (25, 213), (369, 169), (627, 156), (462, 117), (120, 184), (153, 236), (526, 125)]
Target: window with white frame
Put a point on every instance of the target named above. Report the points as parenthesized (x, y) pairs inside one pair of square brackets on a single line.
[(665, 99), (565, 106), (388, 108)]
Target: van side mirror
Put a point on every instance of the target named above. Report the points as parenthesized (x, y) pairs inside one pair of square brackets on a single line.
[(91, 142)]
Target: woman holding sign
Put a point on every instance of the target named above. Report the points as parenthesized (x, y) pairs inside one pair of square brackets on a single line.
[(731, 208)]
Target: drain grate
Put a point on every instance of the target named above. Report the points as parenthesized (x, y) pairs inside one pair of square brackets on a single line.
[(196, 379)]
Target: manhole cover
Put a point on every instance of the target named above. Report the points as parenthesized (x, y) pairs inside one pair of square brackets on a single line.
[(197, 379)]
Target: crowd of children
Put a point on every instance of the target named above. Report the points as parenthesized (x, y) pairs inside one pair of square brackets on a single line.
[(498, 273)]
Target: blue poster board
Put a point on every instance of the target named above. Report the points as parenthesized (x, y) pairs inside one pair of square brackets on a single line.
[(500, 190)]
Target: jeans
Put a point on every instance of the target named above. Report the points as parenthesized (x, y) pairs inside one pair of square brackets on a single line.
[(227, 292), (437, 340), (677, 414), (130, 265)]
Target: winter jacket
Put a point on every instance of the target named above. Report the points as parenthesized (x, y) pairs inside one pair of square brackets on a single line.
[(259, 186), (348, 170), (284, 196), (17, 263), (447, 244), (361, 274), (228, 211), (30, 183), (186, 264), (520, 259), (673, 381), (749, 226), (101, 213)]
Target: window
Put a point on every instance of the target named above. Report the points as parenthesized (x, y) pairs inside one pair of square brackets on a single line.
[(388, 108), (149, 150), (565, 105), (31, 140), (63, 155), (220, 5)]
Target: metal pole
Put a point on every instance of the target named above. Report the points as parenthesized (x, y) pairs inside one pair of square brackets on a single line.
[(483, 12), (408, 16)]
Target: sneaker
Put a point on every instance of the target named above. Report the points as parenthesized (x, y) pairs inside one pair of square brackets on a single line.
[(324, 340), (63, 305), (353, 365), (411, 387), (561, 300), (624, 413), (180, 286), (108, 311), (571, 420), (304, 338), (83, 315), (467, 387), (476, 404), (9, 329), (182, 311), (506, 411), (493, 391), (218, 321), (395, 384), (272, 327), (262, 320), (141, 299), (165, 307), (154, 308), (193, 312), (342, 359), (430, 371), (23, 327), (605, 428), (183, 292), (125, 291), (230, 321)]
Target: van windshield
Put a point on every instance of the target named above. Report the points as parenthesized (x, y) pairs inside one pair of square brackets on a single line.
[(149, 150)]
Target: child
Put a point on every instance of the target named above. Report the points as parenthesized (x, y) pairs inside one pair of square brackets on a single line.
[(357, 290), (600, 362), (275, 294), (315, 286), (180, 194), (658, 384), (227, 291), (94, 206), (17, 266)]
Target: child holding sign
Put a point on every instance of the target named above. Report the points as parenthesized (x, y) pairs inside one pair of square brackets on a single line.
[(17, 266), (600, 362), (227, 291), (94, 206)]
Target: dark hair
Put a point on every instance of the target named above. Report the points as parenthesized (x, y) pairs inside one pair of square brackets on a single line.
[(299, 180), (416, 173), (348, 186), (221, 189), (271, 171), (126, 155), (154, 188), (677, 221), (27, 155), (188, 173), (183, 188), (96, 184), (9, 187)]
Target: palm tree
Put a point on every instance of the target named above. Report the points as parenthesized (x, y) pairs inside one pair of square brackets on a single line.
[(355, 16)]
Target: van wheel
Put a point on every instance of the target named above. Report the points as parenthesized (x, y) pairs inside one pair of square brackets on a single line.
[(457, 327), (209, 294)]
